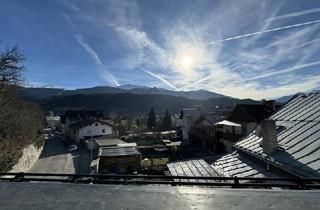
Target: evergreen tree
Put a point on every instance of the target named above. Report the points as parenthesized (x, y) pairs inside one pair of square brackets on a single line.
[(151, 119), (166, 123)]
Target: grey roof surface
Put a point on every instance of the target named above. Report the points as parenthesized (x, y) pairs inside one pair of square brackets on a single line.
[(76, 196), (298, 127), (118, 151), (108, 142), (195, 167), (235, 165), (229, 165)]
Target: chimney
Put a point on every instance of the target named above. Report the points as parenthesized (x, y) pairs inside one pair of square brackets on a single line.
[(269, 136), (271, 104)]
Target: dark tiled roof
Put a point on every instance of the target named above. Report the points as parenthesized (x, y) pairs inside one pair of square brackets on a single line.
[(83, 114), (298, 125), (253, 113)]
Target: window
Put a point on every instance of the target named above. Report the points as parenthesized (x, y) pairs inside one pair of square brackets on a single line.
[(103, 130), (96, 124), (74, 132)]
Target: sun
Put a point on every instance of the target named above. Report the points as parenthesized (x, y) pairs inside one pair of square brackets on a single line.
[(188, 58), (186, 61)]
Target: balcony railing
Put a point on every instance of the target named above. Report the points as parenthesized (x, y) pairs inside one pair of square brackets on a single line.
[(233, 182)]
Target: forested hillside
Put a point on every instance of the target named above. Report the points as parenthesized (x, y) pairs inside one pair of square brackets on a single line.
[(133, 103)]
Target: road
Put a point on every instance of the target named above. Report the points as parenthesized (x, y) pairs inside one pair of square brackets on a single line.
[(56, 158)]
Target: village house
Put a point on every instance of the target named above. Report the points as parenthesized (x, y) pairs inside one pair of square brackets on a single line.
[(118, 159), (242, 120), (287, 143), (203, 133), (90, 128), (75, 116)]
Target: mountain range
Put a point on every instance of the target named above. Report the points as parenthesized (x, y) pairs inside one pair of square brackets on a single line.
[(41, 93), (127, 99)]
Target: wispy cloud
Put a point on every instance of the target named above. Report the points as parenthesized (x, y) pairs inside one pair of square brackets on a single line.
[(283, 71), (295, 14), (178, 45)]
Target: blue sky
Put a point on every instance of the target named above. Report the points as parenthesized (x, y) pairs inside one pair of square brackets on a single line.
[(244, 48)]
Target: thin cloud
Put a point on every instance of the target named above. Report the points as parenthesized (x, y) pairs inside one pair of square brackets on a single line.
[(288, 70), (262, 32), (163, 80), (295, 14)]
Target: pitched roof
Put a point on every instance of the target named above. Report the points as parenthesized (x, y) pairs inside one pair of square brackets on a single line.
[(228, 165), (108, 142), (195, 167), (249, 113), (83, 114), (298, 134), (84, 123), (118, 151), (235, 165)]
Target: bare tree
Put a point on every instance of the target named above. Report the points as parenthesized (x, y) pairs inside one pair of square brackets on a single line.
[(11, 66)]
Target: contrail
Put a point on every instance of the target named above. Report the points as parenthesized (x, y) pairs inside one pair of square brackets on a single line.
[(257, 77), (295, 14), (185, 88), (89, 50), (262, 32), (159, 78), (288, 70), (104, 73)]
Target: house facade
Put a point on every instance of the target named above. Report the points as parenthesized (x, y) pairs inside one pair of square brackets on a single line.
[(93, 128), (77, 116), (203, 133)]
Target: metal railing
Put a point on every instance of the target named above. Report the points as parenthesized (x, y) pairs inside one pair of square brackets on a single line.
[(231, 182)]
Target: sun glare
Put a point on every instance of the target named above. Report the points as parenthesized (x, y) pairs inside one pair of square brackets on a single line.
[(187, 58), (186, 61)]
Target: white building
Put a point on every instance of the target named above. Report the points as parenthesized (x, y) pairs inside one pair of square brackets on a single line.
[(82, 130)]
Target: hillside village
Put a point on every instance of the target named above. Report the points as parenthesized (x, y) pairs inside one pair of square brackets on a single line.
[(247, 140)]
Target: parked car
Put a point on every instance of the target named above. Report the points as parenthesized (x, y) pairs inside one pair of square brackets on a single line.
[(73, 148)]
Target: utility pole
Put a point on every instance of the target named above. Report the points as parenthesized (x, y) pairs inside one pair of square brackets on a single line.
[(90, 132), (91, 147)]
